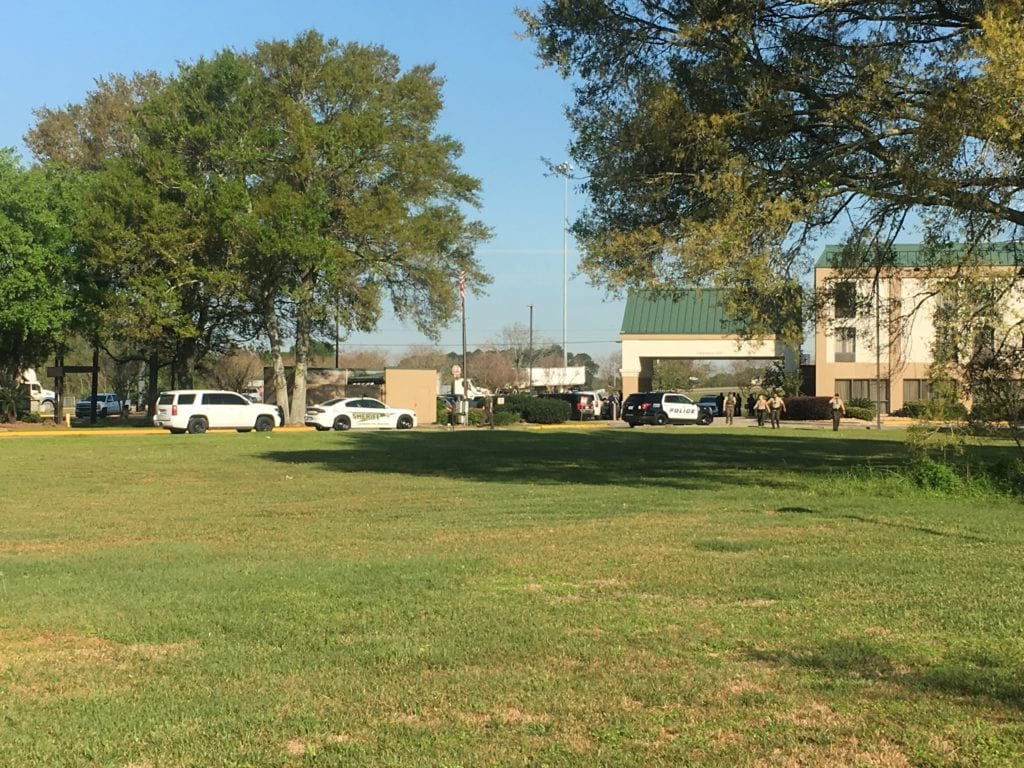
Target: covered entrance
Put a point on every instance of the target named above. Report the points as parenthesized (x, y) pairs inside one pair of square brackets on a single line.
[(689, 326)]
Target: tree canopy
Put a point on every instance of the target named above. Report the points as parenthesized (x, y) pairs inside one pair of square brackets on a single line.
[(36, 289), (722, 140), (287, 191)]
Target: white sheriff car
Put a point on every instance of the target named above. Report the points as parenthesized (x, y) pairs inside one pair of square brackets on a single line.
[(345, 413)]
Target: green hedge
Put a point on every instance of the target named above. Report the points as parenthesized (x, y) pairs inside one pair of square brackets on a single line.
[(983, 411), (862, 403), (808, 408), (859, 412), (505, 418), (540, 410), (514, 404), (932, 409)]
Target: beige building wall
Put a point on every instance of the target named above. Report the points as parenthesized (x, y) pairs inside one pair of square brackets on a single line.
[(896, 351), (412, 388)]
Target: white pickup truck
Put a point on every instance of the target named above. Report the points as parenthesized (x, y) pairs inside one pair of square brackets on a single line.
[(107, 404)]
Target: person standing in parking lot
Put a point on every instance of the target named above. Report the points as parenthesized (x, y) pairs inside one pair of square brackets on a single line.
[(730, 407), (776, 407), (761, 409)]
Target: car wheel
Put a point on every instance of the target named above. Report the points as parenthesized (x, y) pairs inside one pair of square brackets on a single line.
[(46, 406), (705, 418), (342, 424), (632, 424), (405, 421), (264, 424), (662, 419), (197, 425)]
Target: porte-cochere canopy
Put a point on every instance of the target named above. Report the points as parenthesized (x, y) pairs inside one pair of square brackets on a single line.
[(691, 324)]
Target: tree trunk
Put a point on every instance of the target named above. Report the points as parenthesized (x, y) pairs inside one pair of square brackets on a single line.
[(301, 364), (187, 364), (153, 387), (280, 380)]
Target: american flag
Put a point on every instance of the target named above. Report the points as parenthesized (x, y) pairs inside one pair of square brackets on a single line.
[(462, 285)]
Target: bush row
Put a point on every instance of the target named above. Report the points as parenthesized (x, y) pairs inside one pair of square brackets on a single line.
[(519, 407), (808, 408)]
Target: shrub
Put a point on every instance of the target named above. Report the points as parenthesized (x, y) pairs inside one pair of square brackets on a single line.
[(514, 404), (808, 408), (505, 418), (995, 411), (863, 403), (539, 410), (936, 410), (932, 475), (9, 402), (857, 412)]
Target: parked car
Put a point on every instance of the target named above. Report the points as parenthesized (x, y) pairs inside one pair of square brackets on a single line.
[(107, 404), (664, 408), (710, 402), (346, 413), (197, 410)]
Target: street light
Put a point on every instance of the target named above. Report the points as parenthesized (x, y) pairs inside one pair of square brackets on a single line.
[(563, 170), (529, 383)]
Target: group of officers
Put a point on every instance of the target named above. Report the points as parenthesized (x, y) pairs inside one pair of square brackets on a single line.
[(770, 408)]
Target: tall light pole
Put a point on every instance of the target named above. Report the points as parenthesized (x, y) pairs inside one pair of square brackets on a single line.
[(529, 383), (563, 170)]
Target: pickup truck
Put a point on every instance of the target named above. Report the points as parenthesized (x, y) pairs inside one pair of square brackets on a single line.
[(42, 400), (107, 404)]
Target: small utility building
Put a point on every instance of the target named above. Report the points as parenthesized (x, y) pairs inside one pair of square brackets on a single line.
[(691, 325)]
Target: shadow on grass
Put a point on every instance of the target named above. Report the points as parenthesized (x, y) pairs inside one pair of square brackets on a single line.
[(988, 680), (683, 458), (884, 523)]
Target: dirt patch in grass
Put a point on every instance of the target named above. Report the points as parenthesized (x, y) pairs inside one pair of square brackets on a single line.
[(67, 546), (70, 664)]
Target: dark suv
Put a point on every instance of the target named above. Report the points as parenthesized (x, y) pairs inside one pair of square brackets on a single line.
[(664, 408)]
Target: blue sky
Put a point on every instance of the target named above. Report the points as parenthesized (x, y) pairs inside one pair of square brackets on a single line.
[(505, 109)]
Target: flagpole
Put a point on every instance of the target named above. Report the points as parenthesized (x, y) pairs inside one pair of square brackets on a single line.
[(462, 295)]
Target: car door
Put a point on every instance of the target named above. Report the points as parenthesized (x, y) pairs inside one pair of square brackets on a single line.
[(369, 413), (680, 408), (237, 411)]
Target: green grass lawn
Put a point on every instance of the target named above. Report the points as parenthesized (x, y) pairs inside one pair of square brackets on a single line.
[(602, 597)]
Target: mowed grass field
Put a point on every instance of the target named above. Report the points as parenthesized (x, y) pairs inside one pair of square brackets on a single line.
[(603, 597)]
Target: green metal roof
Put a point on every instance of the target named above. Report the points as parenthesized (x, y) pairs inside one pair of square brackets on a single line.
[(693, 311), (917, 255)]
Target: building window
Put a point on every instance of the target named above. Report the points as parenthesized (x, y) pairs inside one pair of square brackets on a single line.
[(846, 300), (863, 389), (916, 389), (846, 345)]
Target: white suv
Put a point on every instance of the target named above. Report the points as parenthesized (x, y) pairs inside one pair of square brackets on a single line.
[(197, 410)]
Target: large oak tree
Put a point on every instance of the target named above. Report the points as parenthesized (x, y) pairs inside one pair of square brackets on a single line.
[(721, 140), (289, 190)]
